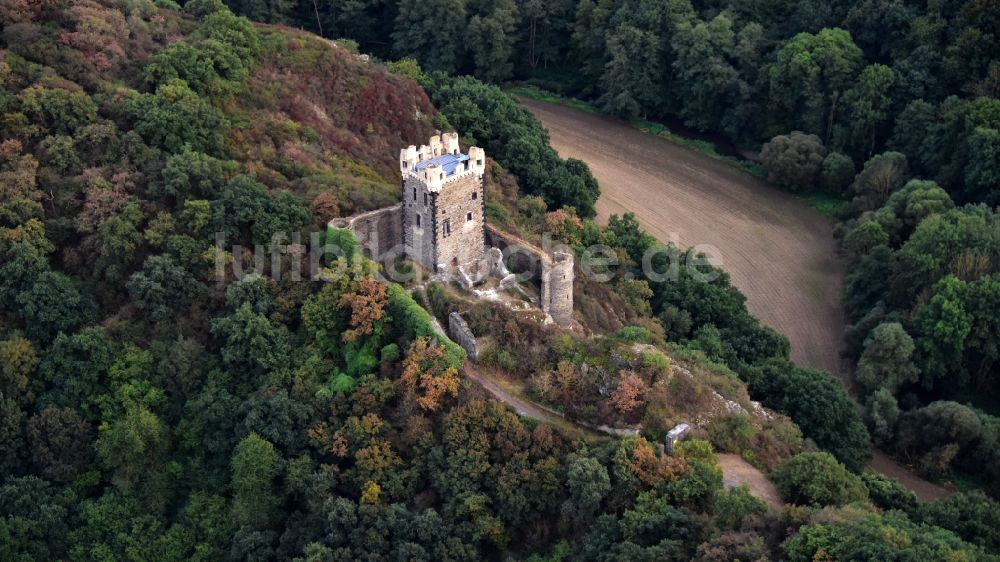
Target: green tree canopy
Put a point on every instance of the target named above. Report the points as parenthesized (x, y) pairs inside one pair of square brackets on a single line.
[(818, 479)]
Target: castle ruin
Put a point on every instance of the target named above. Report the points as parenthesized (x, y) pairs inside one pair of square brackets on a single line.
[(440, 224)]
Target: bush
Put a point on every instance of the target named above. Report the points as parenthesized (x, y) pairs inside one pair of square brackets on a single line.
[(937, 425), (818, 403), (837, 172), (972, 516), (817, 478), (634, 334), (888, 493), (794, 160), (735, 506), (414, 322), (731, 434)]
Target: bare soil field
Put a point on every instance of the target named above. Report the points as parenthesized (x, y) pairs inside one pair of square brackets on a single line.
[(777, 249)]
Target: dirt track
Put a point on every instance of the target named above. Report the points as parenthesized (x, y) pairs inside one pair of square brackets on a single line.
[(777, 249)]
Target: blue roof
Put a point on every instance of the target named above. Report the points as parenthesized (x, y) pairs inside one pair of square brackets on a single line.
[(449, 162)]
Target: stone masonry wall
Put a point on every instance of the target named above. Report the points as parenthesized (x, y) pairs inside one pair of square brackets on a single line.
[(459, 331), (557, 282), (555, 271), (460, 205), (380, 232), (419, 240)]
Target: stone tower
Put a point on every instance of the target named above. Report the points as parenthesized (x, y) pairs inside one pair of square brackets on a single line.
[(557, 287), (443, 203)]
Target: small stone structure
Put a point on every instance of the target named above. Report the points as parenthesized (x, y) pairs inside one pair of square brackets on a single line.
[(459, 331), (674, 436), (440, 224)]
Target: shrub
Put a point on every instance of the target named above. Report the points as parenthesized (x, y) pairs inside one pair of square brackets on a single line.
[(818, 403), (888, 493), (793, 160), (817, 478), (735, 506), (972, 516), (635, 334), (837, 172)]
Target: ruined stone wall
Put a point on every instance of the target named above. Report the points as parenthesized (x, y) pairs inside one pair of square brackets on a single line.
[(380, 232), (459, 222), (459, 331), (555, 272)]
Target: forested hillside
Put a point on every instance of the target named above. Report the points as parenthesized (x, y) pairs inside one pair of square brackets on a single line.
[(889, 106), (863, 76), (153, 406)]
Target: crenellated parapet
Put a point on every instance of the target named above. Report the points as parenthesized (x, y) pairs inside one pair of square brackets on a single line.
[(442, 200), (441, 161)]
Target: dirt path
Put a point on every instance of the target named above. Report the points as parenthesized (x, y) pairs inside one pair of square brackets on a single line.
[(777, 249), (736, 471), (523, 407)]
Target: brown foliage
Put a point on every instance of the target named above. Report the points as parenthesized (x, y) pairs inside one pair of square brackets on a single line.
[(652, 470), (99, 33), (324, 208), (367, 305), (356, 109), (21, 11), (17, 172), (627, 397), (426, 373)]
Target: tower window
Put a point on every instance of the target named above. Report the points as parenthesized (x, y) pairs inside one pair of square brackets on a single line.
[(468, 216), (447, 227), (425, 199), (414, 194), (418, 220), (475, 195)]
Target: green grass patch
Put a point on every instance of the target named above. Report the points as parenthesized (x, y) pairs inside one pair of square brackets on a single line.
[(650, 127), (965, 482), (830, 205), (539, 94)]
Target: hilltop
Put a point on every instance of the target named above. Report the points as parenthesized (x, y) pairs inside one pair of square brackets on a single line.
[(158, 404)]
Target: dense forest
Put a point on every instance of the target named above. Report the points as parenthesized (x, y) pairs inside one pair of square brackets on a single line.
[(151, 410)]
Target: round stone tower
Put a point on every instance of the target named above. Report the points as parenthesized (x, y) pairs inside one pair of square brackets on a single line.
[(557, 288)]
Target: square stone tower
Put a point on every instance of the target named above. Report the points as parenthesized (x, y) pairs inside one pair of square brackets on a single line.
[(443, 203)]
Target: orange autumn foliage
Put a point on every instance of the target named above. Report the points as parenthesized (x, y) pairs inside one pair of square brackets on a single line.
[(627, 397), (652, 470), (427, 374), (367, 306)]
